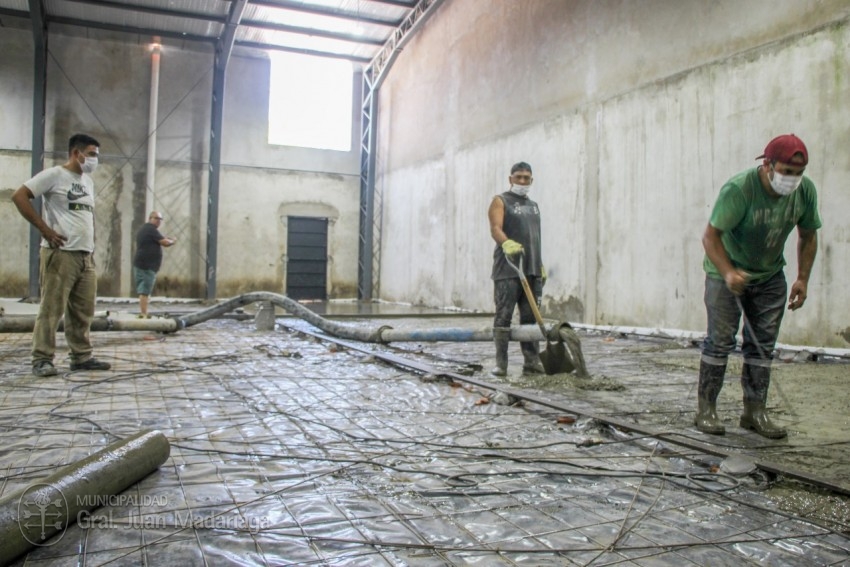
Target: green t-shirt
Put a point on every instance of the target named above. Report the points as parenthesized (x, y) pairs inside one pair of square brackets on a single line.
[(755, 225)]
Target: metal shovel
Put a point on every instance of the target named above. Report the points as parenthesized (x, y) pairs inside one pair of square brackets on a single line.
[(554, 359)]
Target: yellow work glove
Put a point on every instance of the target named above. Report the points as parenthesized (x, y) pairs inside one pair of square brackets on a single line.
[(511, 247), (543, 274)]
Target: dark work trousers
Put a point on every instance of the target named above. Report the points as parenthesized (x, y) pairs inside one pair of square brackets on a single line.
[(69, 289), (508, 294), (764, 306)]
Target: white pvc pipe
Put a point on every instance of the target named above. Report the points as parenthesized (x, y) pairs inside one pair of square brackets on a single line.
[(678, 334), (150, 177)]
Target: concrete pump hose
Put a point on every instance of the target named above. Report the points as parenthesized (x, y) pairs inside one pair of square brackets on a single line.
[(357, 333), (35, 514)]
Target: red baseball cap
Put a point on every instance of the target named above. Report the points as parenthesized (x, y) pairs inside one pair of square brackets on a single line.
[(783, 148)]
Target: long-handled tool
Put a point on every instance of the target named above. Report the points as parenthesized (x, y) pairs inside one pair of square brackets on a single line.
[(764, 354), (555, 359)]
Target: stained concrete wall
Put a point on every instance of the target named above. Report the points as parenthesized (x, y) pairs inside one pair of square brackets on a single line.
[(99, 83), (632, 114)]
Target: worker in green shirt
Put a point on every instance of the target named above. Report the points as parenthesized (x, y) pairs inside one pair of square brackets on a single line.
[(744, 241)]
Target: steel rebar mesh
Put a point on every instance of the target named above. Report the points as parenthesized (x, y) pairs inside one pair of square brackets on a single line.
[(289, 450)]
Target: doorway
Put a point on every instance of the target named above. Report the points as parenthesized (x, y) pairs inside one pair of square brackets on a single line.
[(307, 258)]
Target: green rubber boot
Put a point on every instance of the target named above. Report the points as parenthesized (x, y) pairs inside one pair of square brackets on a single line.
[(710, 384), (755, 381), (502, 338), (531, 358)]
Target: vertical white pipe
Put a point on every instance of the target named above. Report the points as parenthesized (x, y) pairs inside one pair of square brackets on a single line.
[(152, 119)]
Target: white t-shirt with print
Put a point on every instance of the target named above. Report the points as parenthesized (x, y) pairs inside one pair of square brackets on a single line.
[(67, 206)]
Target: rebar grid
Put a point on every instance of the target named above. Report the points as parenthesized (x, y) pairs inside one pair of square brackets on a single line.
[(286, 450)]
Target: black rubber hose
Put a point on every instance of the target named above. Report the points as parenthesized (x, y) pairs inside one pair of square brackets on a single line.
[(353, 332)]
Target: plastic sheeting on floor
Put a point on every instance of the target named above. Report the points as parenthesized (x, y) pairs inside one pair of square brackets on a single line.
[(286, 450)]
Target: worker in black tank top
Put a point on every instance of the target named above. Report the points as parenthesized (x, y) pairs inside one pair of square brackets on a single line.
[(515, 227)]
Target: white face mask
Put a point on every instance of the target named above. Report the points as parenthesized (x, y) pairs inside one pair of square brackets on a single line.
[(521, 190), (785, 184), (89, 165)]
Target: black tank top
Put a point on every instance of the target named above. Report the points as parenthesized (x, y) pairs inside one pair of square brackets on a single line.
[(522, 224)]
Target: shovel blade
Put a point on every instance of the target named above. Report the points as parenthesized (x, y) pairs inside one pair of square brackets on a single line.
[(555, 359)]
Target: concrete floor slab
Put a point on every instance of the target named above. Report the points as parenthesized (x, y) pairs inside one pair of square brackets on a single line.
[(286, 449)]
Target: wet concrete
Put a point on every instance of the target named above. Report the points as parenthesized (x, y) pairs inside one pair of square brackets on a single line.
[(336, 456), (652, 382)]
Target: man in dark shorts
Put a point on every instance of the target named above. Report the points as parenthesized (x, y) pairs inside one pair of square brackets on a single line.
[(148, 259)]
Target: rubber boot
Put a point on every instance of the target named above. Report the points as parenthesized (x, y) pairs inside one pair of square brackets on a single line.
[(501, 337), (710, 384), (531, 358), (755, 381)]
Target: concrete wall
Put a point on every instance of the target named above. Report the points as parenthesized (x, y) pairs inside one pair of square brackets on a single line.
[(99, 83), (632, 114)]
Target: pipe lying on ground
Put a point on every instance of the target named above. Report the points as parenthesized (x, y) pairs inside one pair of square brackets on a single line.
[(35, 514), (382, 334), (697, 337), (354, 332), (484, 334), (25, 324), (362, 333)]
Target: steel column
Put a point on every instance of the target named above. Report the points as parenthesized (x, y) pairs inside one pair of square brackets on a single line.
[(39, 96), (223, 49), (369, 258), (365, 273)]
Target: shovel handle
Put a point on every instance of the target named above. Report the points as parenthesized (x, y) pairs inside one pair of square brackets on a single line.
[(530, 296)]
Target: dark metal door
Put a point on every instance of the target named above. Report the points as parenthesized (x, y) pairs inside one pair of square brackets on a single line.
[(307, 258)]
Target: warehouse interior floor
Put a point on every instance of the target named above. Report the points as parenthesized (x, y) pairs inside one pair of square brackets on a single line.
[(290, 447)]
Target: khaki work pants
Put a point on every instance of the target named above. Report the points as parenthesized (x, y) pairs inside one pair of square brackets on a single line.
[(69, 288)]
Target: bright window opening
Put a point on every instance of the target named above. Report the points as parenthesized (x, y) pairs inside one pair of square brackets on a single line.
[(310, 101)]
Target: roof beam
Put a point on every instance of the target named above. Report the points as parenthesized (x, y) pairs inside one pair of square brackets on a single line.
[(225, 43), (311, 32), (400, 3), (323, 11), (128, 29), (129, 6), (313, 52), (386, 57), (14, 13)]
